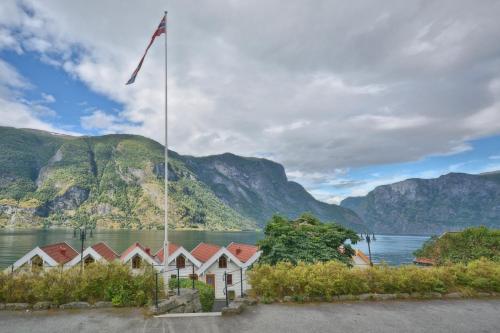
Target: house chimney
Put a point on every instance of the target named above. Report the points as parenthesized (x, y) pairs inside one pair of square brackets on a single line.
[(238, 251), (148, 250), (62, 249)]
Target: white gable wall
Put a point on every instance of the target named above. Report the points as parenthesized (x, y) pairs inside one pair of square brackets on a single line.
[(88, 252), (232, 268), (183, 272), (48, 262)]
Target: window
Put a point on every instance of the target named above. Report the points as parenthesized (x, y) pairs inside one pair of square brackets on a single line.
[(193, 276), (223, 262), (136, 262), (88, 260), (173, 276), (180, 262), (229, 278), (231, 294), (36, 263)]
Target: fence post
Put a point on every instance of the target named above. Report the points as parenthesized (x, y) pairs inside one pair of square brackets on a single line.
[(178, 282), (192, 276), (241, 281), (156, 290), (225, 288)]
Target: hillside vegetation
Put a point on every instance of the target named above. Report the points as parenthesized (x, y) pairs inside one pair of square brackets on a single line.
[(48, 179), (464, 246)]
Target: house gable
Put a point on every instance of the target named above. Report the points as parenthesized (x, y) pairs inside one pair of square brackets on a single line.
[(216, 256), (28, 256)]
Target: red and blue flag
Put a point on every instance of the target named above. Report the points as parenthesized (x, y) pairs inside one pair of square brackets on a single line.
[(162, 28)]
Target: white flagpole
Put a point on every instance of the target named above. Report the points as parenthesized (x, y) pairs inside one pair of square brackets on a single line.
[(165, 242)]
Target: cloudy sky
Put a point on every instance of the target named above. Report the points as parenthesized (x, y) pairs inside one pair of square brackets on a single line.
[(346, 95)]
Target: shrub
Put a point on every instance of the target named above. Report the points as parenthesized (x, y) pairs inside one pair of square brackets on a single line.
[(98, 282), (464, 246), (207, 293), (334, 278)]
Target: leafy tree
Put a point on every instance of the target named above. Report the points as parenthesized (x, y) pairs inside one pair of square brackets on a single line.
[(467, 245), (305, 239)]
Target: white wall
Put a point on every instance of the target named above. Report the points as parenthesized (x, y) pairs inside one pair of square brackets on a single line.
[(183, 272), (233, 269)]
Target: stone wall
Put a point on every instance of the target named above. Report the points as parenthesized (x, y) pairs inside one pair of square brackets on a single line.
[(187, 302)]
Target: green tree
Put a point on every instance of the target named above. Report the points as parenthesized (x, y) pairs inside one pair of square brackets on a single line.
[(305, 239)]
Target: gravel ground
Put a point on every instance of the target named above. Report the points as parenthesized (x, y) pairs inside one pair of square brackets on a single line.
[(472, 315)]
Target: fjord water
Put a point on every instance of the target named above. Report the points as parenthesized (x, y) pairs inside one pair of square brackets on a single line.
[(15, 243)]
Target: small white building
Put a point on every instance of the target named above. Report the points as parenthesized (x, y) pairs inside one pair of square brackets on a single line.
[(45, 257), (98, 252), (220, 264), (139, 258)]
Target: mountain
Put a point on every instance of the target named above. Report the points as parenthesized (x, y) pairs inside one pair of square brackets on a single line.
[(431, 206), (117, 181)]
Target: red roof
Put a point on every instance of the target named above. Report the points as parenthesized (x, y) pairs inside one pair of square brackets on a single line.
[(60, 252), (242, 251), (133, 247), (204, 251), (105, 251), (424, 261), (171, 249)]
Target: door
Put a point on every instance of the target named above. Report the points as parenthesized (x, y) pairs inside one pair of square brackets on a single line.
[(211, 280)]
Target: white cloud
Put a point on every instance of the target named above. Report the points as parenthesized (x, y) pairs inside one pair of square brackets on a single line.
[(390, 83), (48, 98), (17, 111), (99, 120)]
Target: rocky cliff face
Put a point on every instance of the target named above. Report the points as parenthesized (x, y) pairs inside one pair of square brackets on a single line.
[(259, 188), (431, 206), (118, 179)]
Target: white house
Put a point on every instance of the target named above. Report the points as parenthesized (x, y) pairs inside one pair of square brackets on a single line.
[(48, 256), (97, 252), (138, 257), (179, 258), (248, 255), (220, 263)]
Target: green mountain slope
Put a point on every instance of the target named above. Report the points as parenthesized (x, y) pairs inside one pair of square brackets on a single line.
[(50, 179), (431, 206)]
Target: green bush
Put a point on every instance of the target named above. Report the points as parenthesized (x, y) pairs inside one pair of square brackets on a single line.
[(207, 293), (305, 239), (334, 278), (98, 282), (464, 246)]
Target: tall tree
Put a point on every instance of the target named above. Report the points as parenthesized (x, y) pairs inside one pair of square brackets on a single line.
[(305, 239)]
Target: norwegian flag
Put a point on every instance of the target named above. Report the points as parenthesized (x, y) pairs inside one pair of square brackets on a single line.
[(162, 29)]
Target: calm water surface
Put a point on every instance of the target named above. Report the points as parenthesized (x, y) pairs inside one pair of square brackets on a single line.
[(14, 244)]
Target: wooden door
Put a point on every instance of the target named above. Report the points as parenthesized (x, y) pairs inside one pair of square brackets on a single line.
[(211, 280)]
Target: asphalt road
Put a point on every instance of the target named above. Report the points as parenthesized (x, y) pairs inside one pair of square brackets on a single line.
[(396, 316)]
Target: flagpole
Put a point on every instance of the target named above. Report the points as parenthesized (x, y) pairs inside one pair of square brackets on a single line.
[(165, 243)]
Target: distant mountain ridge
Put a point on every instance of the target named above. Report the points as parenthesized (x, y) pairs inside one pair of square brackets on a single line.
[(49, 179), (431, 206)]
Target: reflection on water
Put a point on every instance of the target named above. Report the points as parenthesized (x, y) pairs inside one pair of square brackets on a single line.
[(14, 244)]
